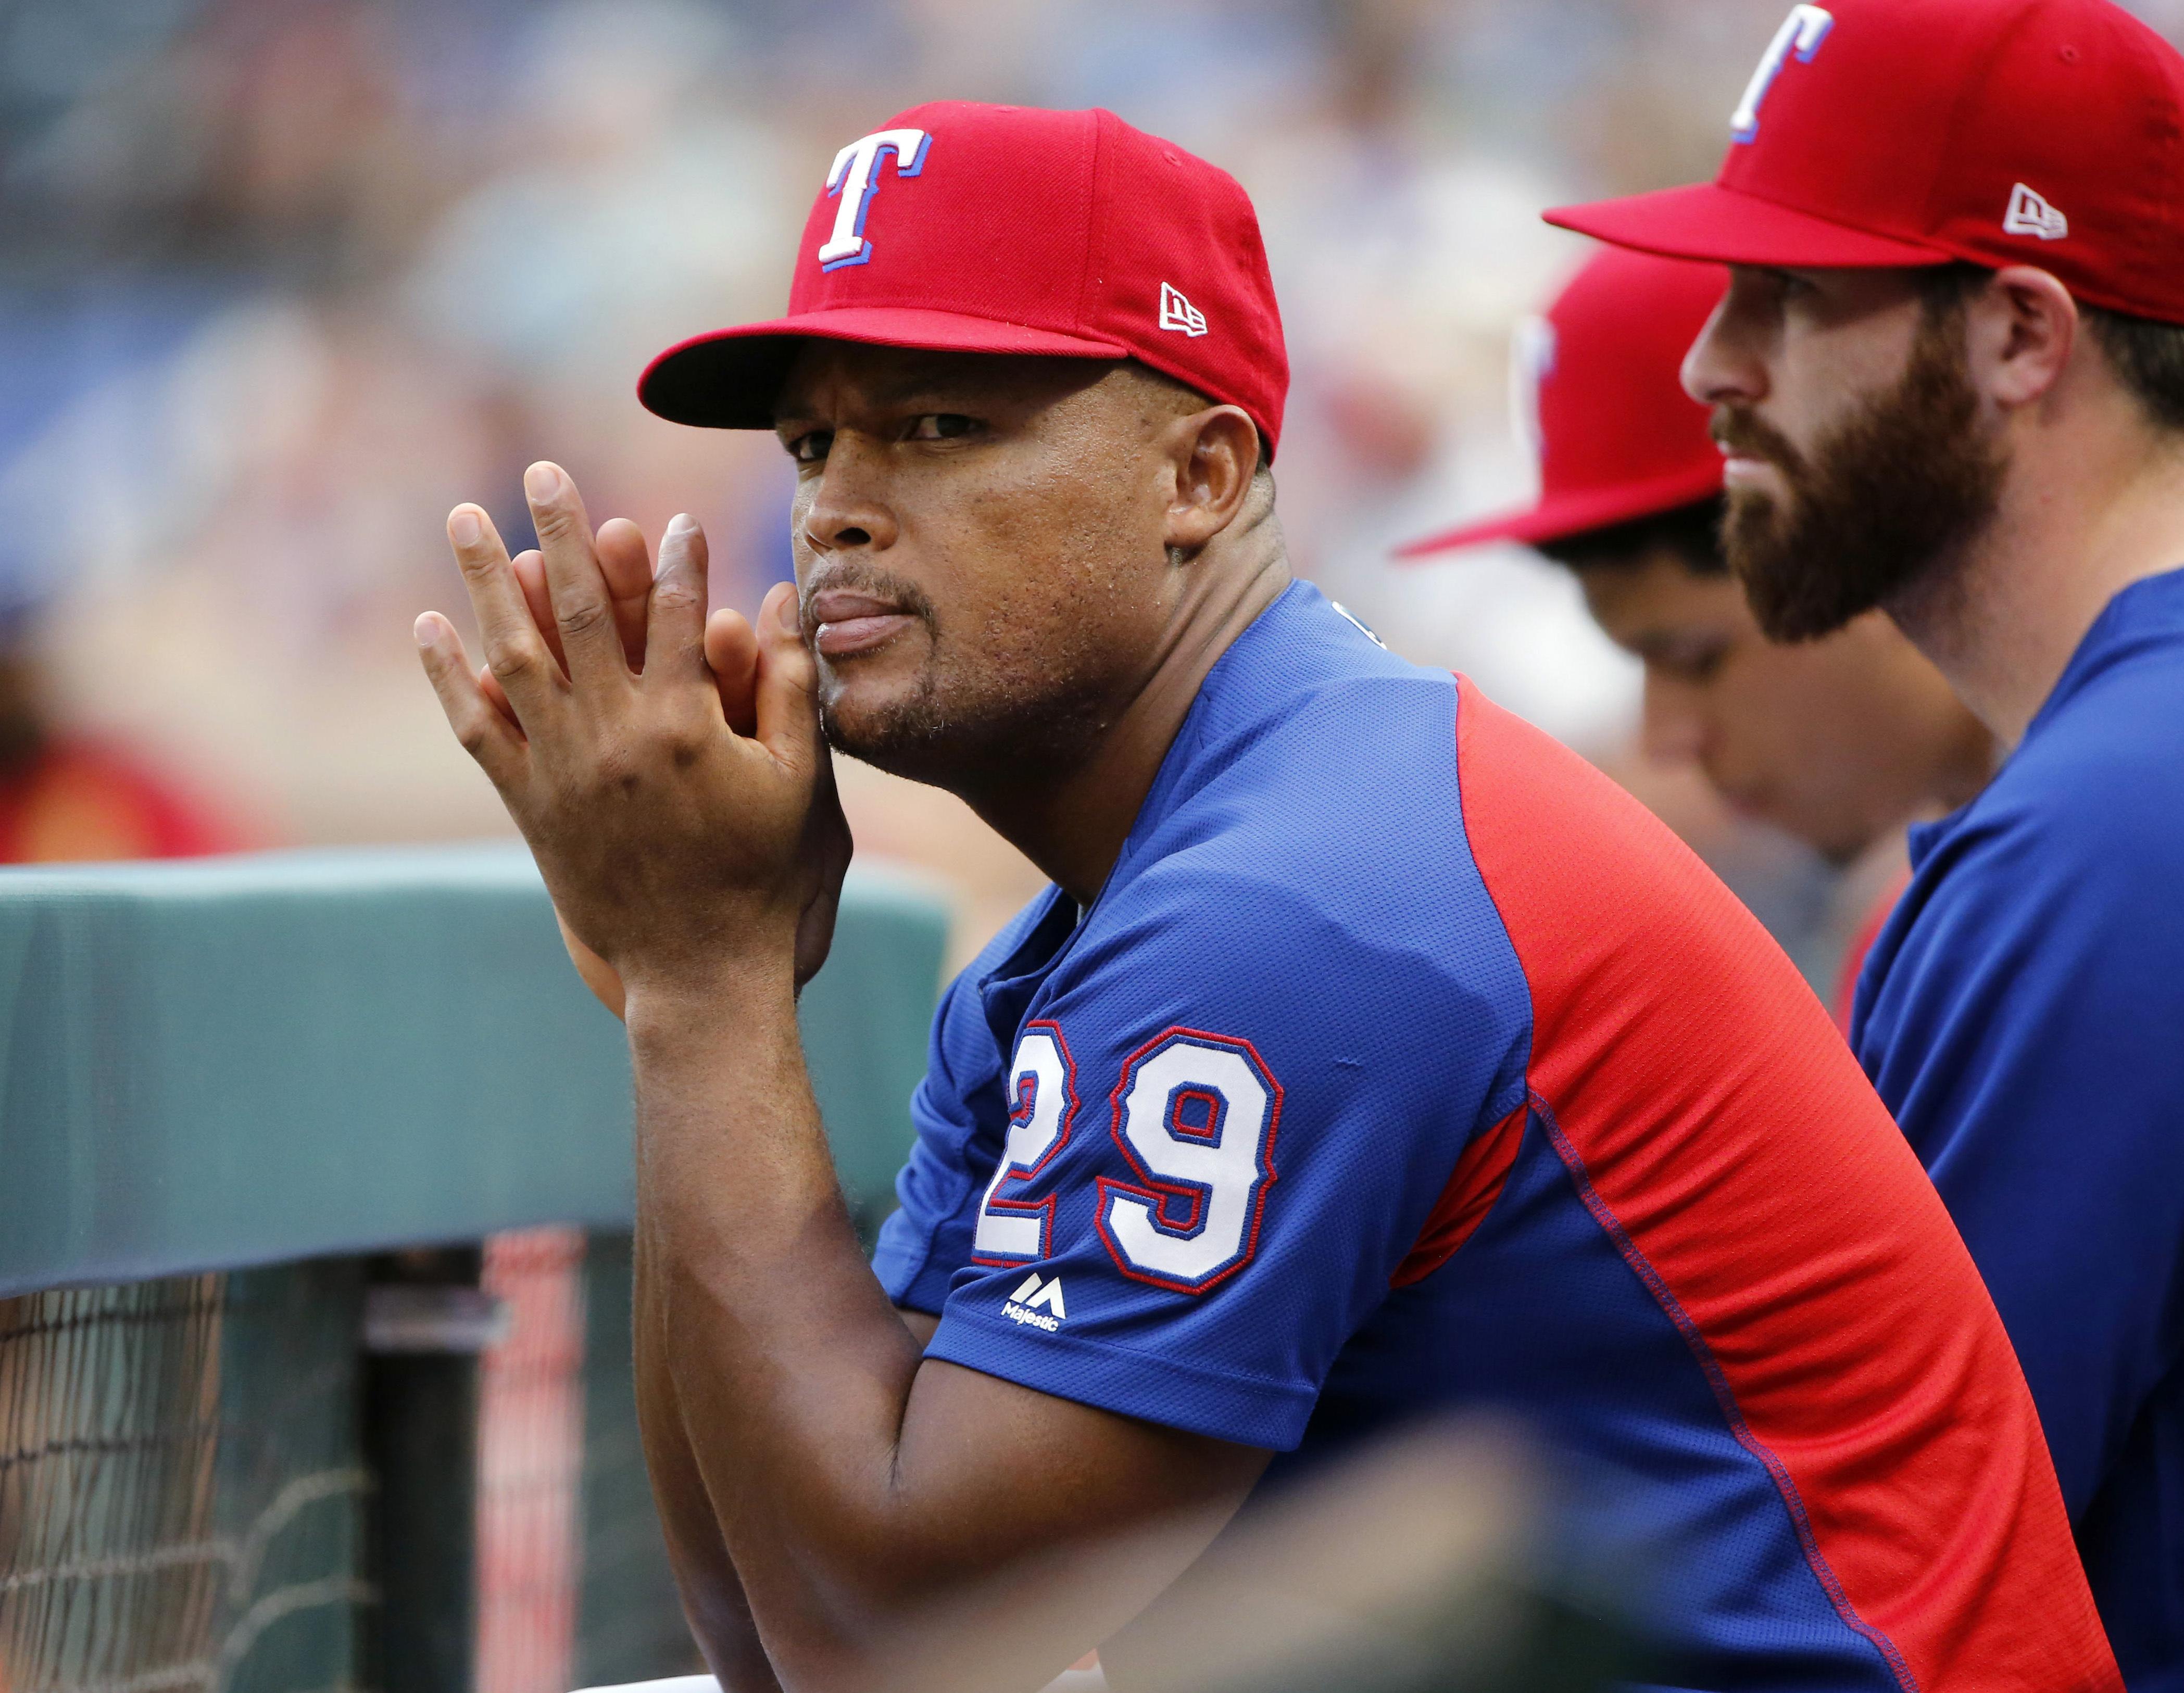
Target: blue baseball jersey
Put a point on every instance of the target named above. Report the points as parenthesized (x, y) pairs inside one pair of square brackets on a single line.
[(1404, 1062), (2023, 1015)]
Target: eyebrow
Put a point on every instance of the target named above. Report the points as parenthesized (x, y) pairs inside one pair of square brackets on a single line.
[(935, 382)]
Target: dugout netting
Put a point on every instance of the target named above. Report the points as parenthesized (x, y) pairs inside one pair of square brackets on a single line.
[(179, 1490), (358, 1075)]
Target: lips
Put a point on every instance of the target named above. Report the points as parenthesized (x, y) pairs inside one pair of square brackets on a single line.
[(849, 622)]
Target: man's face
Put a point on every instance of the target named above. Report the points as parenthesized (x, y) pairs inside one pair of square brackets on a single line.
[(1858, 460), (979, 551), (1836, 741)]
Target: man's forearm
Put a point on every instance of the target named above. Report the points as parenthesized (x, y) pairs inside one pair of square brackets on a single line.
[(788, 1369), (713, 1598)]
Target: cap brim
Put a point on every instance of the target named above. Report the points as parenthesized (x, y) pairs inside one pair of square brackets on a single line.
[(1708, 221), (728, 379), (1560, 516)]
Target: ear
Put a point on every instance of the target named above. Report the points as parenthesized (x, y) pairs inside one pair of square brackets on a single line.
[(1213, 454), (2020, 331)]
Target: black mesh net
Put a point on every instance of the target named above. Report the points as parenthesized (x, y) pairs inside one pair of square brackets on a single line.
[(180, 1493), (187, 1489)]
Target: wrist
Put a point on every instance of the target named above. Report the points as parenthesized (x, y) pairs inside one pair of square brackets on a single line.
[(722, 993)]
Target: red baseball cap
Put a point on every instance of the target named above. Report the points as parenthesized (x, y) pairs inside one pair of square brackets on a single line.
[(1597, 388), (1007, 229), (1894, 132)]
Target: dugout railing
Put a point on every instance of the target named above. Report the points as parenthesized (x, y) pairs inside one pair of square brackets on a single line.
[(278, 1135)]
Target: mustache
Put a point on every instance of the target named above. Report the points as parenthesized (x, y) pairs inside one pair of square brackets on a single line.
[(1747, 435)]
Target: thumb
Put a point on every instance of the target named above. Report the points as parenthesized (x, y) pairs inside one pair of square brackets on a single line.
[(788, 691)]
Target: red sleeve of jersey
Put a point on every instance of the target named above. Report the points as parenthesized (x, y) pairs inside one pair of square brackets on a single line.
[(1721, 1133)]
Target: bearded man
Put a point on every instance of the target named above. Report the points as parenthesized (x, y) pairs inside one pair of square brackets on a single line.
[(1370, 1054), (1948, 378), (1840, 742)]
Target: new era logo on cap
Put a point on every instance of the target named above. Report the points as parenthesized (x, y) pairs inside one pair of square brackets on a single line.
[(2029, 214), (1179, 313)]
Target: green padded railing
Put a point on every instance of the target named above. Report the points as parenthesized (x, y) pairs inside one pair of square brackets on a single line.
[(227, 1062)]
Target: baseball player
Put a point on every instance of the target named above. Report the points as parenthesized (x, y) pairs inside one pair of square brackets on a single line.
[(1370, 1054), (1949, 379), (1840, 742)]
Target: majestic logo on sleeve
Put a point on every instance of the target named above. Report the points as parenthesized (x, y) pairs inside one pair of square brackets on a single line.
[(1802, 33), (2031, 214), (855, 178), (1179, 313), (1024, 1305)]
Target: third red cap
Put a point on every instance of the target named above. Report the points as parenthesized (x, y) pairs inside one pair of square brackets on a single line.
[(1888, 132), (1008, 229), (1597, 389)]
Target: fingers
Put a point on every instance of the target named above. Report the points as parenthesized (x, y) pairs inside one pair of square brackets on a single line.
[(582, 610), (486, 735), (515, 651), (626, 562), (787, 691), (731, 655), (497, 697), (530, 568), (676, 635)]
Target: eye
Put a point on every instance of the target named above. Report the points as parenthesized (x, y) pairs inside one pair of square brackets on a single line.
[(811, 446), (1692, 663), (941, 426)]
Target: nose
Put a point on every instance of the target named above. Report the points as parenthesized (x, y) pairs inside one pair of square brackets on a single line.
[(844, 507), (1672, 727), (1726, 365)]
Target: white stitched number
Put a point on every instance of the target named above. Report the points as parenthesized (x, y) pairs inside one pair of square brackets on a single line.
[(1802, 32), (1043, 1091), (1196, 1115)]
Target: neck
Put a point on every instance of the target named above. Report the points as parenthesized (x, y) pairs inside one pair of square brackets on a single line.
[(2089, 506), (1073, 824)]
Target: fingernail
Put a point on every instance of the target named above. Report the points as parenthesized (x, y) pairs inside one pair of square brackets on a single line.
[(425, 629), (543, 482), (682, 523), (464, 527), (790, 619)]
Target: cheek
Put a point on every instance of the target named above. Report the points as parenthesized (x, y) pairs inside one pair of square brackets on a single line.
[(1048, 563)]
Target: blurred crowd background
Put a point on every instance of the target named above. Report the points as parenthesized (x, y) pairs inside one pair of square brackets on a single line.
[(284, 280)]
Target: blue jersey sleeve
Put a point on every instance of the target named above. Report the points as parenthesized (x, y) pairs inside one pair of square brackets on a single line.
[(1229, 1113), (2021, 1015), (959, 1113)]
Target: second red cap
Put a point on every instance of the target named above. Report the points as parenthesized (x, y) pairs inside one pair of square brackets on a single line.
[(1907, 132), (1009, 229), (1597, 389)]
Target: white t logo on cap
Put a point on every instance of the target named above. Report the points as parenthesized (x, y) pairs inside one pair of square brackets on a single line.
[(855, 176), (1802, 32)]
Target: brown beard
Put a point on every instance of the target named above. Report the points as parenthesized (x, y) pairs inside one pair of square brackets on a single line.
[(1885, 499)]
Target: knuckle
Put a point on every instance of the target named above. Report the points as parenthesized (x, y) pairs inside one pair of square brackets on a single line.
[(684, 743), (553, 522), (580, 618), (513, 660), (676, 593)]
